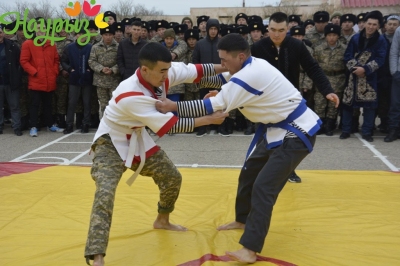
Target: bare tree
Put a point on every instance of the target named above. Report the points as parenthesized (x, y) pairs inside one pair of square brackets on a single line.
[(43, 9), (19, 6)]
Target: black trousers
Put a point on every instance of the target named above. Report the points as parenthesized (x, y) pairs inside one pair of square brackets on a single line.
[(73, 97), (45, 98), (266, 173)]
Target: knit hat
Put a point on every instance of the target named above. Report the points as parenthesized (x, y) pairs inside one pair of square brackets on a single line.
[(169, 33), (336, 14), (187, 18)]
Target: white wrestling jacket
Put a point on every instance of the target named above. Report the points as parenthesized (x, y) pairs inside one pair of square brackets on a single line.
[(263, 95), (132, 108)]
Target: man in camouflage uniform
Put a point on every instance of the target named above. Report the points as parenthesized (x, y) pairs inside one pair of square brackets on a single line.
[(347, 22), (103, 61), (19, 39), (119, 32), (329, 56), (256, 30), (145, 31), (61, 94), (316, 35), (126, 24)]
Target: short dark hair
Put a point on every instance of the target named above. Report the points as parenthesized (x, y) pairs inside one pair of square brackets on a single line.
[(234, 42), (153, 52), (279, 17), (136, 23)]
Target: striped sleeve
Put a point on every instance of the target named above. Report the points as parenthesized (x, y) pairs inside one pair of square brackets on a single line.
[(208, 70), (211, 82), (195, 108), (183, 125)]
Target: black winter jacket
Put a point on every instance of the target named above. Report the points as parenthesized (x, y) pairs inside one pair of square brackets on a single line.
[(13, 53), (292, 55), (128, 57), (206, 51)]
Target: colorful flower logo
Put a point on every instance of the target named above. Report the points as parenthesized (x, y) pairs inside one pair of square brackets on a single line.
[(75, 9)]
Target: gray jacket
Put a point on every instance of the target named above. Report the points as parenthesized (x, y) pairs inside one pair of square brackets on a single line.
[(394, 56)]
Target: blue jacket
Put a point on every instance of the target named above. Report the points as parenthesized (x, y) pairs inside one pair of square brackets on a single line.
[(76, 57), (369, 54)]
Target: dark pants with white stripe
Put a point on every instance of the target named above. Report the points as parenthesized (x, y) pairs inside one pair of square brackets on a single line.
[(266, 173)]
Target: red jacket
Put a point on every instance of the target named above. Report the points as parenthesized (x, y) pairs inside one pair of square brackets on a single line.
[(42, 65)]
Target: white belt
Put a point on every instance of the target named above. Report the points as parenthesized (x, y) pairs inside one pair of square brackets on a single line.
[(132, 146)]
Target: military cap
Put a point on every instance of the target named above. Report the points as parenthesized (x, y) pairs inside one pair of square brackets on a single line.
[(241, 15), (72, 21), (308, 22), (109, 29), (200, 19), (361, 17), (294, 18), (256, 26), (118, 26), (336, 14), (110, 14), (376, 14), (126, 22), (92, 25), (255, 18), (180, 28), (195, 28), (332, 28), (266, 28), (232, 26), (348, 17), (172, 24), (192, 34), (384, 21), (81, 31), (10, 26), (145, 25), (242, 29), (297, 30), (321, 16), (227, 30), (152, 25), (136, 19), (162, 24)]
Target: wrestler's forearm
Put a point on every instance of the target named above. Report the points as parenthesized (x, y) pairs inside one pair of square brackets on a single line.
[(219, 69), (192, 109)]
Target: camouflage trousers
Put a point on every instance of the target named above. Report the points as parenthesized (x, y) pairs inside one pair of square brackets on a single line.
[(106, 171), (24, 96), (325, 108), (60, 99), (105, 95), (191, 96)]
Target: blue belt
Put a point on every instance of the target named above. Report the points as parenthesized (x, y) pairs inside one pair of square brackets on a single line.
[(285, 124)]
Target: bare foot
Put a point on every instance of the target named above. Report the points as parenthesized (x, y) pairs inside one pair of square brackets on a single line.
[(162, 222), (230, 226), (98, 260), (243, 255)]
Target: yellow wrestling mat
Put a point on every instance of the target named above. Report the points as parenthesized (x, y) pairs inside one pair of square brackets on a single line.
[(332, 218)]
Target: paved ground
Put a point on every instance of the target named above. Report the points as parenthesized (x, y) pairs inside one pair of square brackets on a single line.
[(211, 151)]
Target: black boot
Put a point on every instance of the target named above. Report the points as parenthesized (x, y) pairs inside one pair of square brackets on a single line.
[(61, 121), (330, 126), (229, 125), (94, 121), (68, 129), (222, 129), (322, 129), (355, 124), (249, 128), (85, 128), (384, 126), (79, 120), (392, 136), (201, 132)]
